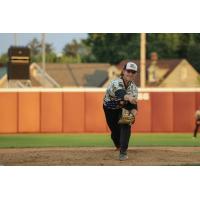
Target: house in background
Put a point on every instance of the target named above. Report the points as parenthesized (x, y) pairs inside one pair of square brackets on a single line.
[(183, 75), (79, 75), (159, 73), (167, 72), (65, 75)]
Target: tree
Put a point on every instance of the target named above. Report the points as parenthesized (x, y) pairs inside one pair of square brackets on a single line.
[(72, 49), (35, 47), (49, 48), (113, 47), (51, 57), (70, 59), (4, 58), (193, 55), (185, 42), (36, 51), (77, 51), (165, 44)]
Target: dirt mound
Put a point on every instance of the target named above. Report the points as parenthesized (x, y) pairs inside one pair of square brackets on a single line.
[(100, 156)]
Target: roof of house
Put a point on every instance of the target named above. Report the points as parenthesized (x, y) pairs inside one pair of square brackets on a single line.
[(81, 74), (60, 73), (73, 75), (169, 64), (91, 74)]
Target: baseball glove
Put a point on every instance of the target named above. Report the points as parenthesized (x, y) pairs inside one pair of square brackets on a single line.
[(129, 106), (127, 117)]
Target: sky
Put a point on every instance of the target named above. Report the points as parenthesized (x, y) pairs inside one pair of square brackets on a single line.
[(57, 39)]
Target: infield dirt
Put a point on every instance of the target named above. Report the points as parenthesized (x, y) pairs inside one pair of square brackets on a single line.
[(93, 156)]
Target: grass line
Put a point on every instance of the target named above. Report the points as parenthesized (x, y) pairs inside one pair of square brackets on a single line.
[(95, 140)]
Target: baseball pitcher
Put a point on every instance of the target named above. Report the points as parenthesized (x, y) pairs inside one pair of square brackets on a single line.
[(120, 107)]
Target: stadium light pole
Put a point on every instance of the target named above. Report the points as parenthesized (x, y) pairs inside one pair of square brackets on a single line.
[(15, 39), (43, 52), (142, 60)]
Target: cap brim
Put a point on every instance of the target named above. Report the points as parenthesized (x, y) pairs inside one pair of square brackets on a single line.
[(131, 69)]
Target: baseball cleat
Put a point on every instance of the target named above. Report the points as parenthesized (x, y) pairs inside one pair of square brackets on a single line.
[(123, 156)]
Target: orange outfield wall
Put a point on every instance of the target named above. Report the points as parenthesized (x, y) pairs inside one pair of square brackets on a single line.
[(51, 111), (81, 111), (73, 112), (94, 114), (8, 114), (162, 112), (184, 110), (143, 120), (198, 100), (29, 112)]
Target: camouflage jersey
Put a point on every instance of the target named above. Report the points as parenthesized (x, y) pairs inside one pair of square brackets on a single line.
[(110, 100)]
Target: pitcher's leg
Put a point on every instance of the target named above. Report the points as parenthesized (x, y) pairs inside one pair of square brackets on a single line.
[(115, 136), (112, 117), (124, 137)]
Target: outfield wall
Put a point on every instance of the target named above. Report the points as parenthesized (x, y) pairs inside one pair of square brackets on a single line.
[(80, 110)]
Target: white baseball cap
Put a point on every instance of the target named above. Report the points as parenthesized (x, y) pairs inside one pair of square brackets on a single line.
[(131, 66)]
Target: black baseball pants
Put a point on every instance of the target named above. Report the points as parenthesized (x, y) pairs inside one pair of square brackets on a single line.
[(120, 134)]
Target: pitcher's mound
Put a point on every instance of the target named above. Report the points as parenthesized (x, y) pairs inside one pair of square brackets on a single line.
[(93, 156)]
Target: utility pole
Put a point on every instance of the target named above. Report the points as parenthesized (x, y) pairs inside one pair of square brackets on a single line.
[(15, 39), (43, 52), (142, 60)]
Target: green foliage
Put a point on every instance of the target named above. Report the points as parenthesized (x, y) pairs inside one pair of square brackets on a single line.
[(51, 57), (72, 49), (36, 51), (70, 59), (4, 58), (113, 47), (165, 44), (35, 47), (193, 55), (77, 52), (49, 48)]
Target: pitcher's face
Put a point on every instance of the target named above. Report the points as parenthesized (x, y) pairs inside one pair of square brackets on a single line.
[(129, 75)]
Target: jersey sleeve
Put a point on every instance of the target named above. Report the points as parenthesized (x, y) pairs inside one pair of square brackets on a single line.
[(113, 87), (134, 91)]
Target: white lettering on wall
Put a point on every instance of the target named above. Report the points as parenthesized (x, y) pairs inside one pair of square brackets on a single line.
[(143, 96)]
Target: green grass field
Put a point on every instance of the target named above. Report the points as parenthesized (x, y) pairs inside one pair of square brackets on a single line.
[(95, 140)]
